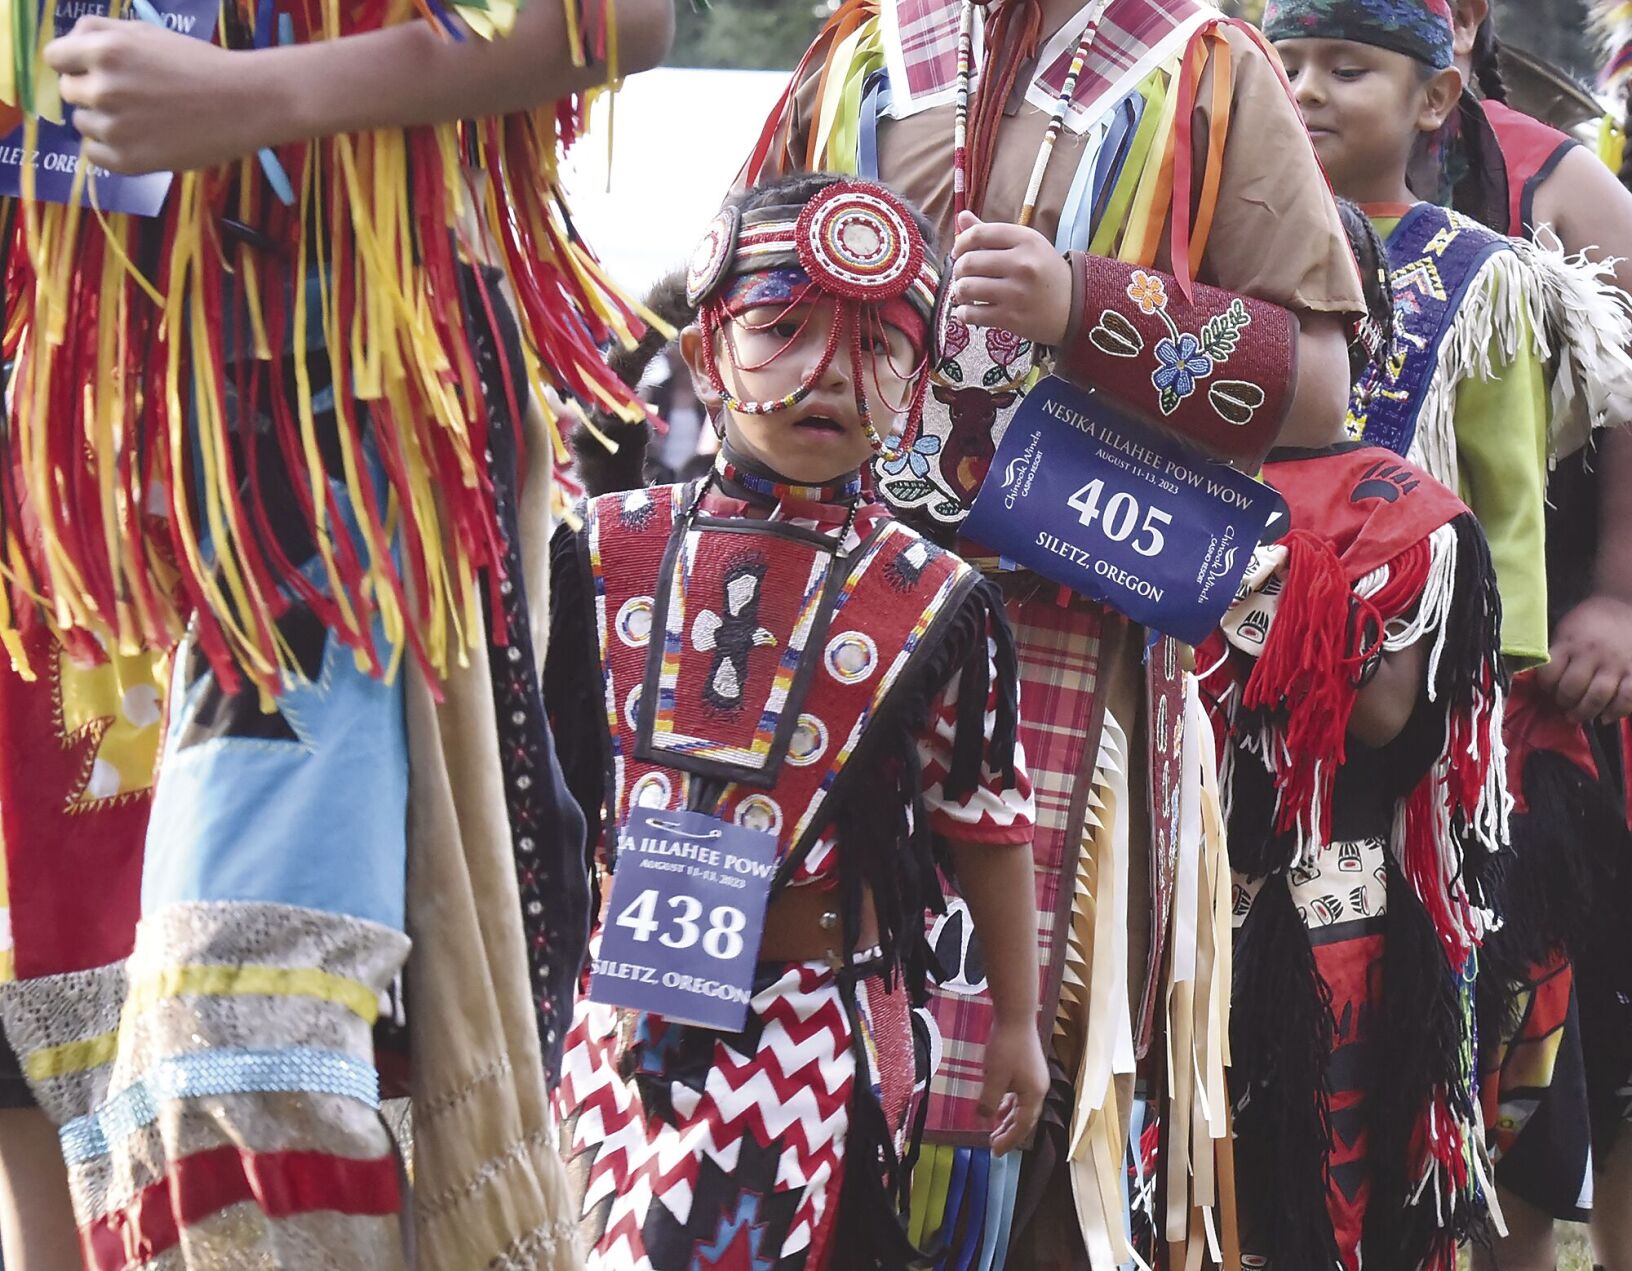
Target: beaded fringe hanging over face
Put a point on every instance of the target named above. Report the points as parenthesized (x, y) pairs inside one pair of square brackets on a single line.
[(129, 496)]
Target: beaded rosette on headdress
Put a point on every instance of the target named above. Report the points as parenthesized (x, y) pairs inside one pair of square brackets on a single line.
[(855, 246)]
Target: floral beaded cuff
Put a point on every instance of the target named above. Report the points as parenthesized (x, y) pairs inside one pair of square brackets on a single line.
[(1217, 369)]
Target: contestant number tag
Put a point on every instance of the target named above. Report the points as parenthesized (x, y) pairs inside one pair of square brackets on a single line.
[(1107, 506), (681, 933)]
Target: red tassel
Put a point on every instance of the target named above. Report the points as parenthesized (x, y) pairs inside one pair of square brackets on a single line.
[(1306, 672)]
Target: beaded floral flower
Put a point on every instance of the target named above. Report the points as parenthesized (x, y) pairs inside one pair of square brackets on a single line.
[(1147, 292), (1182, 364), (917, 457)]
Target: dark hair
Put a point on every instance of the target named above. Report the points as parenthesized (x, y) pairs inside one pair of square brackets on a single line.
[(1487, 62), (1372, 339), (1625, 173), (604, 472)]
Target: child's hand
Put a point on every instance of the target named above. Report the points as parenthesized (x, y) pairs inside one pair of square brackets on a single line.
[(1010, 277), (150, 100), (1016, 1081), (1590, 674)]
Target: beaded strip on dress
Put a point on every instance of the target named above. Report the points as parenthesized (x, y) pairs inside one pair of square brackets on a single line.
[(132, 504)]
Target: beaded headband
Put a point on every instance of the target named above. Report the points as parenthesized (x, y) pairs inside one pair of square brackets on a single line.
[(1420, 29), (854, 244)]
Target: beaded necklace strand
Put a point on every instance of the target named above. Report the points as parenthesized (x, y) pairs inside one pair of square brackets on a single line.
[(1056, 122)]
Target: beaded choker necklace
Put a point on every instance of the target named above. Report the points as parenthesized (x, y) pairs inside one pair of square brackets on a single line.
[(754, 480)]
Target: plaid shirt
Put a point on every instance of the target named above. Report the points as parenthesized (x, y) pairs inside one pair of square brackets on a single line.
[(921, 42)]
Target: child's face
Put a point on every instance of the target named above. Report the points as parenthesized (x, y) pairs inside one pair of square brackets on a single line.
[(821, 438), (1365, 108)]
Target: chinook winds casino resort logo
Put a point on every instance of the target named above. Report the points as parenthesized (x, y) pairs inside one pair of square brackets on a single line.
[(1021, 471)]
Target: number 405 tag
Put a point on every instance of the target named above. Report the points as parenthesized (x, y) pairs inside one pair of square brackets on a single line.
[(686, 916), (1093, 498), (1120, 517)]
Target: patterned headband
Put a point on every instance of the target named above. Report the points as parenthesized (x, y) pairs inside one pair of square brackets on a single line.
[(1421, 29), (854, 240)]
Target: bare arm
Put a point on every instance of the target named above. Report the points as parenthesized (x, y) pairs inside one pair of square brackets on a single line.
[(1384, 706), (998, 884), (1320, 385), (151, 100)]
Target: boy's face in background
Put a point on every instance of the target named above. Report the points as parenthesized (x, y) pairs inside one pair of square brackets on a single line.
[(1365, 109)]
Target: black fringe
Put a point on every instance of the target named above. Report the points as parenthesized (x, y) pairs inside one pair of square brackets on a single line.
[(1474, 624), (888, 845), (870, 1231), (880, 816), (1473, 642), (1547, 897), (572, 687), (1566, 890), (1421, 1025), (1281, 1031)]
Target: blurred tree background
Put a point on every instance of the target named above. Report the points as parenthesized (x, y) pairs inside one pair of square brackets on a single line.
[(746, 34), (771, 34)]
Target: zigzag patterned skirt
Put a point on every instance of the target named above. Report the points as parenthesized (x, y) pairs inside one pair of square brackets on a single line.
[(689, 1147)]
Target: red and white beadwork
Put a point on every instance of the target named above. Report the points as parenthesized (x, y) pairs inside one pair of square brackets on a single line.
[(859, 241), (713, 256)]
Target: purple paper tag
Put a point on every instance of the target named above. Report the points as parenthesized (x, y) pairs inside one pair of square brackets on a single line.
[(681, 933), (1093, 499), (56, 162)]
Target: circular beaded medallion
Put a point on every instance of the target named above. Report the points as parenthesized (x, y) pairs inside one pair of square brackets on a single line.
[(859, 241), (651, 791), (809, 742), (759, 812), (851, 657), (635, 622)]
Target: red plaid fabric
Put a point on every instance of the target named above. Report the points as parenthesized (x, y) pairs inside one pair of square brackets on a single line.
[(1061, 710), (927, 36)]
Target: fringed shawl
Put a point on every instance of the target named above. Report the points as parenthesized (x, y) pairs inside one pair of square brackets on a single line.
[(1524, 296)]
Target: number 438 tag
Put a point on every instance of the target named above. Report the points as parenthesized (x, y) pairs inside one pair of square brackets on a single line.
[(681, 935)]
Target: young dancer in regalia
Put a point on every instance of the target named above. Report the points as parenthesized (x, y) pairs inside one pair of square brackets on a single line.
[(1068, 143), (1358, 686), (1561, 1054), (678, 629), (1468, 396), (280, 422)]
